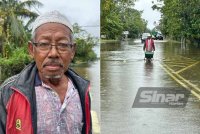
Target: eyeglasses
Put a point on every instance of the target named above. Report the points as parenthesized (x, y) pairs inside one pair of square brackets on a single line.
[(60, 47)]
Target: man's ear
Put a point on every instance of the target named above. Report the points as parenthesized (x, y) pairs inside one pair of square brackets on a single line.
[(30, 49)]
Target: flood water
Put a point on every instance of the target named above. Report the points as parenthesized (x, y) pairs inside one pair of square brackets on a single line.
[(123, 71)]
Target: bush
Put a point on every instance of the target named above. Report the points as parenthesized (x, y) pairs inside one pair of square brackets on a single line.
[(84, 51), (17, 61)]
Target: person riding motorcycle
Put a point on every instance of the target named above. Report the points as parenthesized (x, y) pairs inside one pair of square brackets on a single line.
[(149, 47)]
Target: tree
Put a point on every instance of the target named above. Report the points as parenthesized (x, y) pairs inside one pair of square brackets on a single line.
[(12, 13), (180, 19), (111, 25), (118, 16), (84, 45), (133, 22)]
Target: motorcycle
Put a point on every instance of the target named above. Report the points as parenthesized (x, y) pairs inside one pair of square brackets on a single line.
[(148, 56)]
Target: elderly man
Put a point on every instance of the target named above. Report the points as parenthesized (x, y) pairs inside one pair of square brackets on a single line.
[(47, 97)]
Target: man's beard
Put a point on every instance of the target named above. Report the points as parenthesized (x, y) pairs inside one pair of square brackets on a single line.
[(53, 75), (53, 79)]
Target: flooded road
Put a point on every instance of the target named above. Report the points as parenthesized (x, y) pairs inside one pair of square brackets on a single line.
[(124, 71)]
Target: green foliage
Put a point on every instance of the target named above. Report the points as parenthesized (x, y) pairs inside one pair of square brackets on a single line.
[(84, 50), (118, 16), (84, 45), (134, 23), (111, 24), (180, 19), (13, 65), (12, 13)]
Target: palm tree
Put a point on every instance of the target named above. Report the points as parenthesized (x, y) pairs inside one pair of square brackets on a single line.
[(12, 14)]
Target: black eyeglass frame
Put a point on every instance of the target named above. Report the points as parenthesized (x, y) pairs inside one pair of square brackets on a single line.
[(58, 46)]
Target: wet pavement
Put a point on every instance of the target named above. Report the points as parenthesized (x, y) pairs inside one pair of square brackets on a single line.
[(123, 71)]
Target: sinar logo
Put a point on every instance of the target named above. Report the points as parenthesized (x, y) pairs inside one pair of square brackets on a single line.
[(161, 97)]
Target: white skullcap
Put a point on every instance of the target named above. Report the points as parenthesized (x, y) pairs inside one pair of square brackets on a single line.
[(51, 17)]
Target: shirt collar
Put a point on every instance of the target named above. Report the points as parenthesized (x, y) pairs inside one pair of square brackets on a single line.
[(38, 82)]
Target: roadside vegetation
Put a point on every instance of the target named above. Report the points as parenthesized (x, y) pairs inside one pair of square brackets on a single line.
[(118, 16), (180, 19)]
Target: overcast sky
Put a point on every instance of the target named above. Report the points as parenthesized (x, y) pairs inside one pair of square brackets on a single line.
[(84, 12), (148, 13), (87, 12)]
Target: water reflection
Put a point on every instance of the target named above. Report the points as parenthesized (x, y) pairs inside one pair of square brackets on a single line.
[(113, 46), (148, 69)]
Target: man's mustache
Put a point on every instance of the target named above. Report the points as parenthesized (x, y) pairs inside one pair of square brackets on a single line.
[(53, 63)]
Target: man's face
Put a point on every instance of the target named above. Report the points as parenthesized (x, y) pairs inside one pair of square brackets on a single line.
[(52, 63)]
